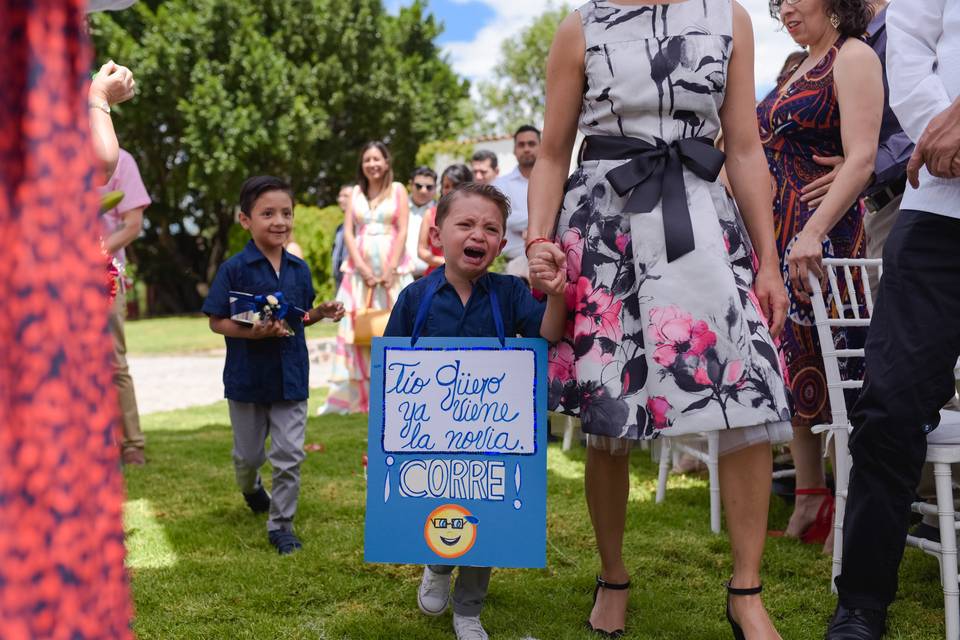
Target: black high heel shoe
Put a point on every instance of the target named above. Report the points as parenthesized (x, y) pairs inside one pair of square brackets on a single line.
[(603, 584), (733, 591)]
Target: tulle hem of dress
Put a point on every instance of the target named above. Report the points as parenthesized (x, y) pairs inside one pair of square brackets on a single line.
[(731, 440)]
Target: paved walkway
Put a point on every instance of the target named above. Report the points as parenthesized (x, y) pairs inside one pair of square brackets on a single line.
[(164, 383)]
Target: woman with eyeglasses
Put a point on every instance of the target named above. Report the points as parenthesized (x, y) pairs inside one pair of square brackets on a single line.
[(375, 235), (450, 179), (829, 104)]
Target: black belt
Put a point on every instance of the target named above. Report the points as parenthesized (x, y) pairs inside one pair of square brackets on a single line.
[(883, 196), (655, 172)]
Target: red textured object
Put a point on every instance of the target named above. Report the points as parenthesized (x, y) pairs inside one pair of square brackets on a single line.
[(61, 490)]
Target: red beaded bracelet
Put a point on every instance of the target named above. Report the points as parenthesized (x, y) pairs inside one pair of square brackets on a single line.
[(526, 251)]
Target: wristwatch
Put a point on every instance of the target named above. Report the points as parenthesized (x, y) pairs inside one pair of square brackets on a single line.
[(102, 105)]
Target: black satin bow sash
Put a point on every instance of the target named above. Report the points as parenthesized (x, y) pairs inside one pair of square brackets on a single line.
[(655, 172)]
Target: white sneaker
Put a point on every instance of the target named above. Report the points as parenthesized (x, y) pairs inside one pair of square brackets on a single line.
[(468, 628), (434, 593)]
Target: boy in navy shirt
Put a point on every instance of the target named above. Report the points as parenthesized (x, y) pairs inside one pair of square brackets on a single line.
[(469, 226), (266, 370)]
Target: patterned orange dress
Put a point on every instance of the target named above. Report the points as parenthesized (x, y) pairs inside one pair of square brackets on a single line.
[(61, 490)]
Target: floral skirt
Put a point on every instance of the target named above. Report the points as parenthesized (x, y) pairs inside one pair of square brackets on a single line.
[(656, 348)]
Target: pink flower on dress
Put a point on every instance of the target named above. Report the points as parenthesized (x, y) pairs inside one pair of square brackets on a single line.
[(561, 363), (572, 244), (700, 375), (677, 334), (622, 241), (657, 409), (597, 312), (734, 372)]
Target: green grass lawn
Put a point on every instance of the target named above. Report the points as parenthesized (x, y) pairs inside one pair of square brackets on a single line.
[(187, 334), (202, 567)]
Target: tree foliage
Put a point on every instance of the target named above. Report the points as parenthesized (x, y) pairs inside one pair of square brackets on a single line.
[(233, 88), (517, 93)]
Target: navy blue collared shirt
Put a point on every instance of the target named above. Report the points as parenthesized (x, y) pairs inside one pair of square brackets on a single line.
[(272, 369), (450, 318), (895, 147)]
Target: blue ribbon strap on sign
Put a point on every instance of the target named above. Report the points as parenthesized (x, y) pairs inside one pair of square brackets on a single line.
[(424, 310)]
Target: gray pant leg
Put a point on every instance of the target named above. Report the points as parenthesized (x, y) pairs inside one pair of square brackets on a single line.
[(250, 423), (471, 590), (877, 227), (288, 421), (441, 569)]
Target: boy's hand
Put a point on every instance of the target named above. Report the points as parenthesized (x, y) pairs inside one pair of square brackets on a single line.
[(270, 329), (545, 276), (332, 310)]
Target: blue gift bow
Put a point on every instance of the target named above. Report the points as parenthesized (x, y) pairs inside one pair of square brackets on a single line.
[(258, 302)]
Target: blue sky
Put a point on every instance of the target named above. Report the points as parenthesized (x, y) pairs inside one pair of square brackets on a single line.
[(475, 29)]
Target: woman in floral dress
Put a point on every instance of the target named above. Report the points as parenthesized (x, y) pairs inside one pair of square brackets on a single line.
[(673, 296), (375, 235)]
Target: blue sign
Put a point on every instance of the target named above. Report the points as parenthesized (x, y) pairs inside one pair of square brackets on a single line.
[(457, 466)]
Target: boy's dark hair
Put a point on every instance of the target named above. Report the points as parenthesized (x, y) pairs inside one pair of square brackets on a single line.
[(486, 155), (424, 171), (486, 191), (524, 129), (256, 186), (457, 174), (387, 176)]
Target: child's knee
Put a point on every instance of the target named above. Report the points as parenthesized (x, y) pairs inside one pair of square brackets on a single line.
[(248, 460), (287, 454)]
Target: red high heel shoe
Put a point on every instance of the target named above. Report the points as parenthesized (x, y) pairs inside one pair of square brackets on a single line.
[(819, 529)]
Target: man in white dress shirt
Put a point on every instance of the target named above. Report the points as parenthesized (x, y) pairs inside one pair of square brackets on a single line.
[(526, 148), (914, 338)]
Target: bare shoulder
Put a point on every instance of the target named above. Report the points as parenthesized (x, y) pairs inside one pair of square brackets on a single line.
[(856, 52), (742, 26), (569, 44), (570, 31), (741, 17)]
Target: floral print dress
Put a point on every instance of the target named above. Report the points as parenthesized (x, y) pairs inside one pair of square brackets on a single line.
[(377, 233), (656, 347)]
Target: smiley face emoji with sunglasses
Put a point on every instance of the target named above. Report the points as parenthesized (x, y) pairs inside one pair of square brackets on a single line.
[(450, 531)]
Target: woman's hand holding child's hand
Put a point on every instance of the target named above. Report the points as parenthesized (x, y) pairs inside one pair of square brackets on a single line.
[(545, 276)]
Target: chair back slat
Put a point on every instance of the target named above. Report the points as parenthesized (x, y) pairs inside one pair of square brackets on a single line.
[(852, 291), (840, 307), (835, 290)]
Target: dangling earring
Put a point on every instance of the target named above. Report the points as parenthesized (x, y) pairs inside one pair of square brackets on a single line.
[(835, 21)]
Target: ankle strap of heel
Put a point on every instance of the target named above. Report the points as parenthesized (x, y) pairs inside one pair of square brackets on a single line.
[(752, 591), (603, 584)]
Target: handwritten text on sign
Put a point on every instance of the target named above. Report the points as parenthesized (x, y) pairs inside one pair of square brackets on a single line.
[(442, 401)]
